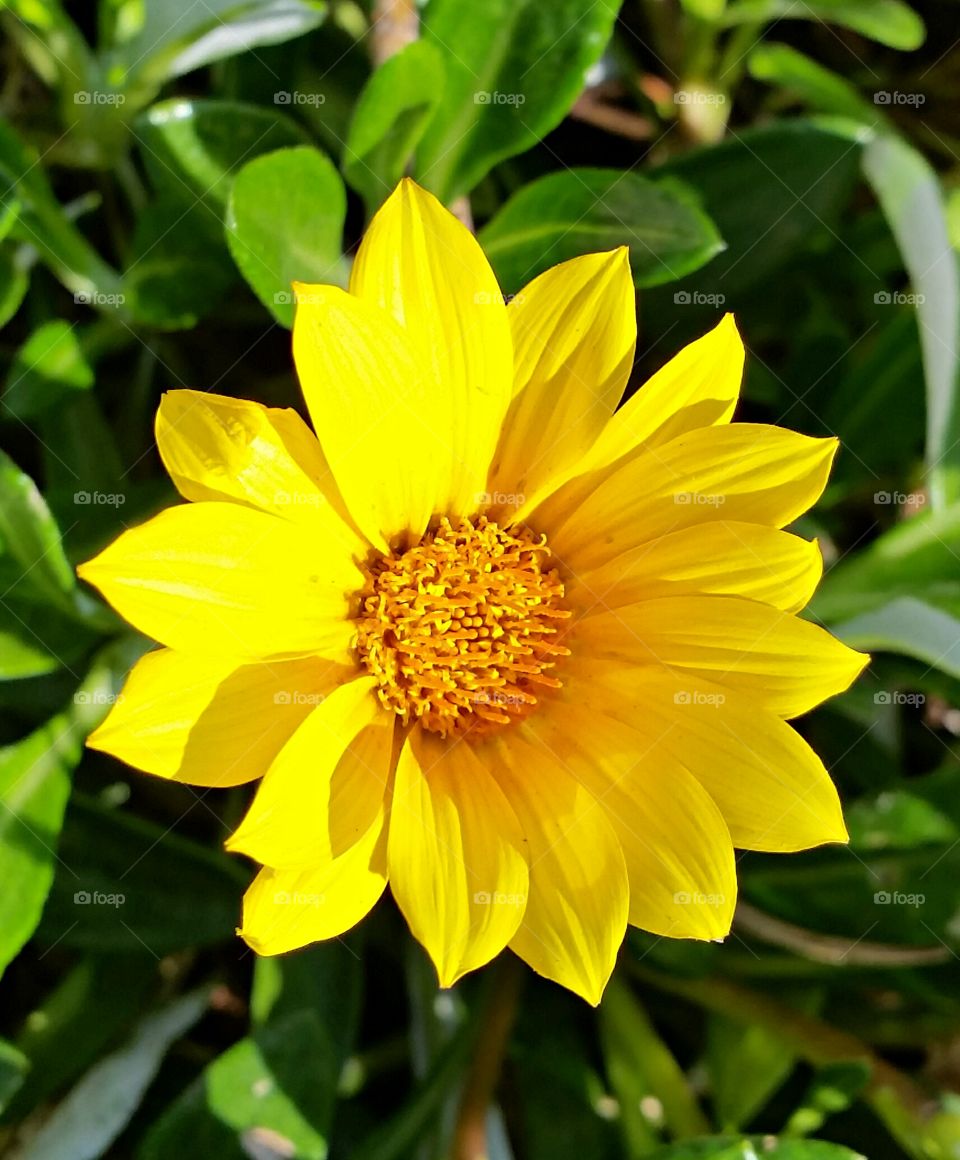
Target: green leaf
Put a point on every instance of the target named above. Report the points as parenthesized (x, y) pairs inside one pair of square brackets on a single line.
[(14, 283), (36, 639), (132, 885), (168, 40), (390, 117), (911, 198), (639, 1065), (30, 537), (34, 787), (93, 1002), (888, 22), (96, 1111), (284, 224), (832, 1089), (275, 1087), (579, 211), (513, 69), (915, 628), (49, 365), (823, 90), (193, 149)]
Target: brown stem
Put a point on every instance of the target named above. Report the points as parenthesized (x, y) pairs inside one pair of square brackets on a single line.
[(470, 1134)]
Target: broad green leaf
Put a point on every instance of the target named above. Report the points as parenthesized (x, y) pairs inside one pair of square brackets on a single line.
[(513, 69), (889, 22), (915, 628), (49, 365), (168, 40), (640, 1065), (13, 1068), (821, 89), (580, 211), (96, 1111), (275, 1087), (390, 117), (773, 193), (284, 224), (897, 819), (911, 198), (132, 885), (90, 1006), (36, 639), (14, 282), (35, 778), (193, 149)]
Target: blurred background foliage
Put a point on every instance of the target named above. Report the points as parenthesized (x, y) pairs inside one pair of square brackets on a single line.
[(165, 170)]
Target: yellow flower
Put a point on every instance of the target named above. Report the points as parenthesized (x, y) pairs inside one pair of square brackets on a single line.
[(525, 657)]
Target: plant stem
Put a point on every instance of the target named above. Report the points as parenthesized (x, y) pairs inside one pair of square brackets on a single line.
[(470, 1134)]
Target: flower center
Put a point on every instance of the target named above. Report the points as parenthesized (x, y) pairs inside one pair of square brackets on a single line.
[(459, 631)]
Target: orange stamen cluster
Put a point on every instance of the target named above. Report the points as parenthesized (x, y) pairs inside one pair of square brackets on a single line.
[(458, 631)]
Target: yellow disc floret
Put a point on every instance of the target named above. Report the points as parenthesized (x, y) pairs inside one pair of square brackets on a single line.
[(459, 630)]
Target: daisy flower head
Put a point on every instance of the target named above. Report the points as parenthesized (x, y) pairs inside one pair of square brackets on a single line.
[(527, 657)]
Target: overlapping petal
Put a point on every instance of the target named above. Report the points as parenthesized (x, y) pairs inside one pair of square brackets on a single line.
[(218, 577), (217, 448), (746, 472), (576, 912), (785, 664), (327, 788), (458, 866), (726, 558), (423, 267), (574, 331), (206, 721)]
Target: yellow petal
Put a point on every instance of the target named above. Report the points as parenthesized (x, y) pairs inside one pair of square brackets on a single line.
[(746, 472), (576, 914), (678, 852), (456, 855), (287, 909), (217, 448), (327, 788), (698, 387), (375, 411), (725, 558), (218, 577), (424, 267), (203, 720), (784, 664), (574, 331), (770, 786)]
